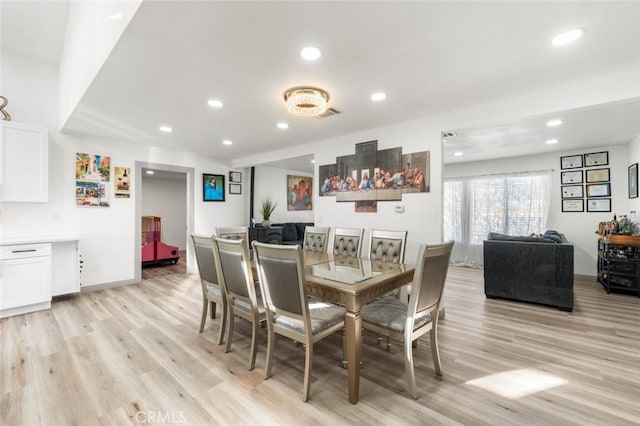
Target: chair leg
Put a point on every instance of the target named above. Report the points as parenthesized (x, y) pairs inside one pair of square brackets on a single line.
[(232, 320), (205, 305), (213, 310), (307, 372), (271, 343), (433, 340), (254, 343), (223, 325), (408, 365)]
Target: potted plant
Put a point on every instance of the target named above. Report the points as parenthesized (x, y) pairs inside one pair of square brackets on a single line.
[(267, 209)]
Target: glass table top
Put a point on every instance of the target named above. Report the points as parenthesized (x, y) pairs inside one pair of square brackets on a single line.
[(351, 270)]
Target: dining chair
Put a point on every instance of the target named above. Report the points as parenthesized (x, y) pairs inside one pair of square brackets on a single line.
[(347, 241), (387, 245), (290, 312), (235, 275), (409, 321), (212, 292), (316, 238), (233, 232)]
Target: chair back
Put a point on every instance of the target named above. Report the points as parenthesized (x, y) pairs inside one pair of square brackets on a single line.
[(430, 275), (316, 238), (281, 273), (234, 267), (387, 246), (233, 232), (347, 241), (203, 246)]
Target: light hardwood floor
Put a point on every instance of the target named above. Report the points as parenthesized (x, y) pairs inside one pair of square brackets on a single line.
[(132, 355)]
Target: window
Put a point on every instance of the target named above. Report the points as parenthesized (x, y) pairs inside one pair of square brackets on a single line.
[(514, 204)]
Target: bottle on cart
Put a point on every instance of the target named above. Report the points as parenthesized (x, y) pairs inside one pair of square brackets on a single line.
[(614, 225)]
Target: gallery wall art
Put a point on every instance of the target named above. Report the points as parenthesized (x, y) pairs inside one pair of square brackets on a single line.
[(92, 180), (299, 192)]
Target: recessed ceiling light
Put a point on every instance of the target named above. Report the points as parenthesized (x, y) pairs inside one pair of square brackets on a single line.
[(215, 103), (378, 96), (310, 53), (283, 125), (553, 123), (567, 37), (551, 141), (166, 129), (313, 161), (227, 142), (150, 172), (457, 154)]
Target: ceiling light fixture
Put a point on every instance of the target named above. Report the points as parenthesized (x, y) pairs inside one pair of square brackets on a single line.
[(215, 103), (457, 154), (310, 53), (166, 129), (306, 101), (150, 172), (551, 141), (567, 37), (283, 125), (554, 123), (378, 96), (227, 142)]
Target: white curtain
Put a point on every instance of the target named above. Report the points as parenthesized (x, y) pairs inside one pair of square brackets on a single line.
[(513, 204)]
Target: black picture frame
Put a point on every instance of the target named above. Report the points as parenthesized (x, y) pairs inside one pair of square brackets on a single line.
[(597, 175), (212, 187), (572, 177), (235, 188), (575, 205), (571, 162), (594, 159), (235, 177), (572, 191), (596, 190), (599, 205), (633, 180)]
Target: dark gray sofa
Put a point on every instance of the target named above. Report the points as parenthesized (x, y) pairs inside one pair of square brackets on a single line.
[(293, 232), (529, 269)]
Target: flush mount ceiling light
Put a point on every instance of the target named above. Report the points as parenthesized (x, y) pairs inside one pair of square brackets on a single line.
[(378, 96), (166, 129), (227, 142), (306, 101), (551, 141), (554, 123), (215, 103), (567, 37), (310, 53), (283, 125)]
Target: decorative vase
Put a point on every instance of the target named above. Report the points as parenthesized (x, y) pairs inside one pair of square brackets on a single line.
[(266, 224)]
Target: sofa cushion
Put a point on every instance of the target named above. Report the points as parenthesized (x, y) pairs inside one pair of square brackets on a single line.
[(494, 236), (289, 232), (301, 227), (555, 236)]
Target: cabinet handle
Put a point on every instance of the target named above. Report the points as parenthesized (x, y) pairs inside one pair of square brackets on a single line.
[(23, 251)]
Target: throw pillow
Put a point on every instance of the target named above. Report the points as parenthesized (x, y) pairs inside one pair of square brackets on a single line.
[(289, 232)]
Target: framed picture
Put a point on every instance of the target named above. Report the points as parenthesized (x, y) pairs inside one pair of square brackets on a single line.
[(596, 159), (633, 181), (599, 205), (599, 190), (597, 175), (571, 177), (573, 205), (235, 177), (571, 162), (235, 188), (212, 187), (572, 191)]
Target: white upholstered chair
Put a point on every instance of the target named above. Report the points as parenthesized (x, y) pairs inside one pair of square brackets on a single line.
[(290, 312), (409, 321), (234, 272), (347, 241), (212, 292), (316, 238)]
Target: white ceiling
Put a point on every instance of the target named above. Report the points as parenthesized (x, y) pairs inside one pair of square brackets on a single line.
[(429, 57)]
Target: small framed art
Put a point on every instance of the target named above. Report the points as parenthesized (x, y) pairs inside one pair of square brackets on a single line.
[(599, 205), (596, 159), (235, 188), (573, 205), (571, 177), (212, 187), (599, 190), (597, 175), (572, 191), (571, 162), (235, 177), (633, 181)]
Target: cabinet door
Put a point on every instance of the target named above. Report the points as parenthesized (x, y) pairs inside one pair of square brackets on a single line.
[(24, 162), (25, 281), (65, 269)]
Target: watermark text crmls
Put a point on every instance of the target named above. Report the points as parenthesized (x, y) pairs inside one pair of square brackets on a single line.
[(161, 417)]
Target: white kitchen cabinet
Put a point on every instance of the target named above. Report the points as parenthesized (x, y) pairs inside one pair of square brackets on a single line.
[(24, 162), (25, 278), (65, 268)]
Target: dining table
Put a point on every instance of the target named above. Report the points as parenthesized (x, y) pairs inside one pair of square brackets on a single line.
[(352, 282)]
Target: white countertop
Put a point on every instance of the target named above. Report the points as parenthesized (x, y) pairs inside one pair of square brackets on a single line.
[(38, 239)]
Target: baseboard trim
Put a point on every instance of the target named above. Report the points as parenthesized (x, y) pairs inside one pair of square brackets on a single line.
[(86, 289), (585, 277)]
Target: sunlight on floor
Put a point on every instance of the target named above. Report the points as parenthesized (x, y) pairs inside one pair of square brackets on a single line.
[(518, 383)]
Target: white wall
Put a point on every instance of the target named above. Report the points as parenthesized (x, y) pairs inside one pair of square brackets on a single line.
[(579, 228), (271, 182), (167, 198)]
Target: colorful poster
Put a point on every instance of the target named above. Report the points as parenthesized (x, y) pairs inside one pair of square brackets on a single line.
[(92, 178), (299, 192), (122, 181)]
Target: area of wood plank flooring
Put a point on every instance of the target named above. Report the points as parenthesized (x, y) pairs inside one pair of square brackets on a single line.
[(133, 354)]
